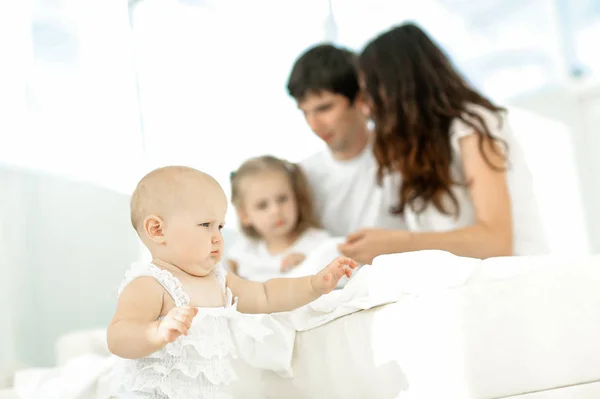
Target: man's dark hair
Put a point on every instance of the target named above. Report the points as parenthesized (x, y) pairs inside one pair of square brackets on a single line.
[(324, 68)]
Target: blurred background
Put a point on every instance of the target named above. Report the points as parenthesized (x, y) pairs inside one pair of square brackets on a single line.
[(93, 94)]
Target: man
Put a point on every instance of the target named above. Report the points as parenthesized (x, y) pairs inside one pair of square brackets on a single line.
[(343, 178)]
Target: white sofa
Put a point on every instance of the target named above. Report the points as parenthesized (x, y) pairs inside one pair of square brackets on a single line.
[(531, 333)]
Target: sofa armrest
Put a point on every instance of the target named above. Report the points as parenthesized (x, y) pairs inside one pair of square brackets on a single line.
[(79, 343)]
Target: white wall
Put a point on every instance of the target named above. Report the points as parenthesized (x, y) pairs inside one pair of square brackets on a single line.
[(578, 107), (64, 246)]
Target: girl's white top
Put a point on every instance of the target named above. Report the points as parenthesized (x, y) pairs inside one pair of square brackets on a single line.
[(256, 263), (197, 365)]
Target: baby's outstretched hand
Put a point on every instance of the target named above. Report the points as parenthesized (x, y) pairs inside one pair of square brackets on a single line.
[(327, 279), (291, 260), (177, 322)]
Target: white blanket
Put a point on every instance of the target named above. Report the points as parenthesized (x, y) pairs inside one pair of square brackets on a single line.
[(389, 279), (79, 378)]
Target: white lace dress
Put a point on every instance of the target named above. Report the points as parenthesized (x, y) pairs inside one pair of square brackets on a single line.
[(194, 366)]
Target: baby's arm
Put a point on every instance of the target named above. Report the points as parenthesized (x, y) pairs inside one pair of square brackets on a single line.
[(135, 330), (283, 294)]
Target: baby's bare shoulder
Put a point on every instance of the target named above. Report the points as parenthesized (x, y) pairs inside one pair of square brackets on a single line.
[(143, 297), (143, 286)]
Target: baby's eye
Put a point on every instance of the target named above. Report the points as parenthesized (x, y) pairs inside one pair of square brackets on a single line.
[(205, 224), (221, 227)]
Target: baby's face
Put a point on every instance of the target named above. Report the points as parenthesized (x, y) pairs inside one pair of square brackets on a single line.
[(193, 239)]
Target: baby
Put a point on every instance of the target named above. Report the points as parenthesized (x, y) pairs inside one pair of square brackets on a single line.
[(171, 322), (274, 206)]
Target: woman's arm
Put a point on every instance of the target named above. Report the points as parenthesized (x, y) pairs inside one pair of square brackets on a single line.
[(489, 236)]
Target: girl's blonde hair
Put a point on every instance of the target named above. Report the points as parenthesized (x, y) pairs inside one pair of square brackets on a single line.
[(306, 216)]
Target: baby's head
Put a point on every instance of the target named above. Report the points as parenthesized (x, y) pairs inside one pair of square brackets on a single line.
[(272, 198), (178, 212)]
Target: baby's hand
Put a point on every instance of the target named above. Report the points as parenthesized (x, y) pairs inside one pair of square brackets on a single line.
[(326, 280), (177, 322), (291, 260)]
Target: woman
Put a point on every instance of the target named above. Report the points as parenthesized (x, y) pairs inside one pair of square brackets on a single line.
[(462, 185)]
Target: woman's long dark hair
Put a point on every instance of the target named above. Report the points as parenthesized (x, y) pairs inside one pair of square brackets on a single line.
[(415, 93)]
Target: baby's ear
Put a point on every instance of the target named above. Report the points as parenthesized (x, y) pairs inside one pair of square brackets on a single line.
[(154, 228)]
